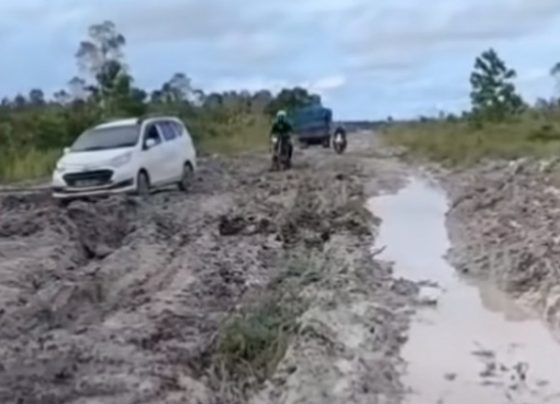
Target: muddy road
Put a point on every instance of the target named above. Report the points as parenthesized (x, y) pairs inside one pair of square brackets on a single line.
[(325, 284), (127, 301)]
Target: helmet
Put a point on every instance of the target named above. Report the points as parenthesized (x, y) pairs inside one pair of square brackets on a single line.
[(281, 114)]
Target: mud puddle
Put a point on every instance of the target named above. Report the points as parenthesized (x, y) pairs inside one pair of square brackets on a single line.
[(468, 340)]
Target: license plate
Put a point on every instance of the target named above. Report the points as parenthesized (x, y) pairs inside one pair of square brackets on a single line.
[(86, 183)]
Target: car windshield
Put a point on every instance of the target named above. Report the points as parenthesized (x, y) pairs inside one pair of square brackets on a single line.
[(107, 138)]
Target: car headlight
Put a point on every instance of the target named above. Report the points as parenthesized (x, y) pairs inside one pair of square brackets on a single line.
[(60, 168), (121, 160)]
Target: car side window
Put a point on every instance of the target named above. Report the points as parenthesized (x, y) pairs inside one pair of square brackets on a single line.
[(178, 129), (167, 130), (152, 133)]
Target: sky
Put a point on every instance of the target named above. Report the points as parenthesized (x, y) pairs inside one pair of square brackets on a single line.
[(367, 58)]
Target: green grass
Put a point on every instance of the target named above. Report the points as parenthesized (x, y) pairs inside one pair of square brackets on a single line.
[(455, 143), (27, 165), (238, 135), (253, 343)]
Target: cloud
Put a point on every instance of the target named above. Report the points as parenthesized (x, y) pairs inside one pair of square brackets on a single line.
[(403, 34), (374, 56), (322, 85), (329, 83)]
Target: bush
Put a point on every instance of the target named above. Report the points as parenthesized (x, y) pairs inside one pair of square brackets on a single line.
[(467, 142), (29, 164)]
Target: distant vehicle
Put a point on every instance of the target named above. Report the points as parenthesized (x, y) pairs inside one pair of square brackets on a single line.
[(312, 125), (126, 156), (339, 140)]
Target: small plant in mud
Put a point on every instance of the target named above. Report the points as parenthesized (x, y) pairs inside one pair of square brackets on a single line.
[(251, 345)]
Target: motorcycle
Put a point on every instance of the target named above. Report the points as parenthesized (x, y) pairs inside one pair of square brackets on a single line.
[(339, 141), (281, 156)]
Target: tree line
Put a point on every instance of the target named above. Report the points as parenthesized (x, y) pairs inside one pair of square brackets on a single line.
[(104, 88)]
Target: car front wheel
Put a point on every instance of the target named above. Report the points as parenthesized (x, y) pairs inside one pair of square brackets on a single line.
[(63, 203), (186, 178), (143, 184)]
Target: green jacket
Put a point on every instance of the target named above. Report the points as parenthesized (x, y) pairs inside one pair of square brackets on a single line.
[(282, 127)]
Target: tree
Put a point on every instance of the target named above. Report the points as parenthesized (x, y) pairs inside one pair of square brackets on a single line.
[(101, 59), (20, 101), (261, 100), (493, 94), (451, 117), (36, 97), (179, 88), (104, 45), (290, 99), (62, 97), (6, 103), (213, 100), (545, 105), (78, 89), (555, 73)]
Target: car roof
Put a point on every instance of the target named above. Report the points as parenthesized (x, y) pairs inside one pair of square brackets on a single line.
[(118, 123), (134, 121)]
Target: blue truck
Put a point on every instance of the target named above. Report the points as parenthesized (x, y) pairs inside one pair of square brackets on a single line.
[(312, 125)]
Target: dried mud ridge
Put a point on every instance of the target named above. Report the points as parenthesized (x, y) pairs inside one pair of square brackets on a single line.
[(504, 226), (123, 301)]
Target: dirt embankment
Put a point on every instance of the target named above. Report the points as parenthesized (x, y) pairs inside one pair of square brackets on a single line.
[(504, 226), (123, 301)]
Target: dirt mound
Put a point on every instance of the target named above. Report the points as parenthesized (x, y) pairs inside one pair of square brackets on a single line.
[(504, 226)]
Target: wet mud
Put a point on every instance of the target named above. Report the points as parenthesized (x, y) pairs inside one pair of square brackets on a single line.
[(123, 301)]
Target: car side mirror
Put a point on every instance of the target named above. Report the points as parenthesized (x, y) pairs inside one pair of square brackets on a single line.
[(150, 142), (66, 150)]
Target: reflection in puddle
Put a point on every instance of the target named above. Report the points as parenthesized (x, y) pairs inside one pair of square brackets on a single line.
[(475, 343)]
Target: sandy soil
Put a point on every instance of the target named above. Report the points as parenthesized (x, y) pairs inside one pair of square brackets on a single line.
[(122, 301)]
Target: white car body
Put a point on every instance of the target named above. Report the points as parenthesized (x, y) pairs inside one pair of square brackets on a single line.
[(116, 169)]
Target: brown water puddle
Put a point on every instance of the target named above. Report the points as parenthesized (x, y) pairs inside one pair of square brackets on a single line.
[(476, 345)]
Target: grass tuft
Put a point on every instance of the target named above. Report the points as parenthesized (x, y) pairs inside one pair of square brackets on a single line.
[(253, 342)]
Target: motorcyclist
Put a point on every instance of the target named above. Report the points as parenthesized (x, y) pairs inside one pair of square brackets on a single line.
[(283, 128), (340, 130)]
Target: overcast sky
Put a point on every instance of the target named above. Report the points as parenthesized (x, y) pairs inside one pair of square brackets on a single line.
[(368, 59)]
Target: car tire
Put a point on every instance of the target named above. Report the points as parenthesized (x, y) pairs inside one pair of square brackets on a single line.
[(63, 203), (186, 178), (143, 184)]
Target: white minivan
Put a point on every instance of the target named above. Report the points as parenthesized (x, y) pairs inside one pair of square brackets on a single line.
[(130, 155)]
